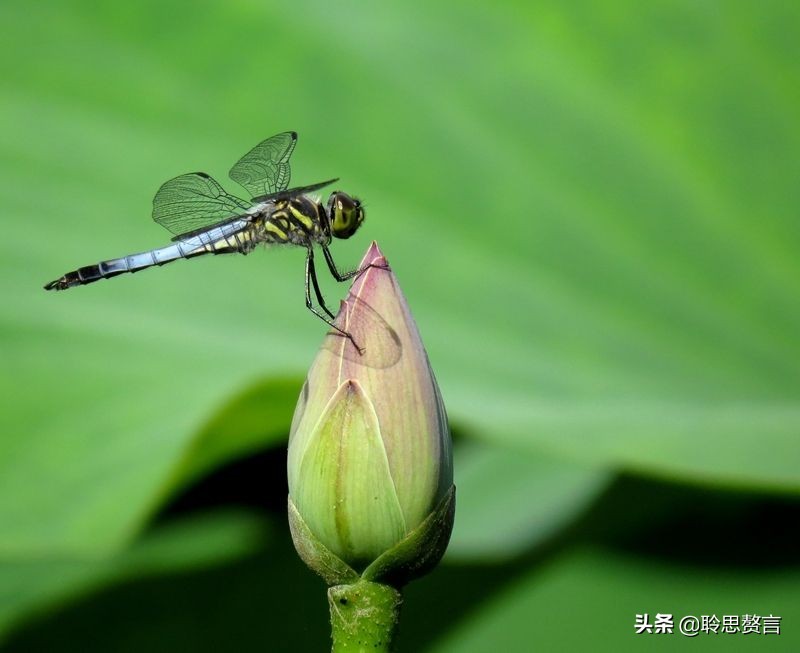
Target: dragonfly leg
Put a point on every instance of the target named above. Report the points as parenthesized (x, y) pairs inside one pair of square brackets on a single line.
[(311, 272), (311, 280), (340, 276)]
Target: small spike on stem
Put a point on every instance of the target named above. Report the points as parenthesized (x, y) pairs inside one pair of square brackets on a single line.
[(364, 617)]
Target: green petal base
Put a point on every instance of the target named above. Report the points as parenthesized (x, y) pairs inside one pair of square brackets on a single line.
[(413, 556)]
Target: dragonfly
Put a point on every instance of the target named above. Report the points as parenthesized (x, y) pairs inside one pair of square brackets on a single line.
[(205, 219)]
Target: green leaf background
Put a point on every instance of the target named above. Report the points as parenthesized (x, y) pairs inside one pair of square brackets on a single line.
[(593, 210)]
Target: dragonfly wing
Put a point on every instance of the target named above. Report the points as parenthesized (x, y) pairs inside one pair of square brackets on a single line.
[(293, 192), (188, 204), (265, 169)]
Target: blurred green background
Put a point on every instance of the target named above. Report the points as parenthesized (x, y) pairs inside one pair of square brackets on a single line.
[(592, 208)]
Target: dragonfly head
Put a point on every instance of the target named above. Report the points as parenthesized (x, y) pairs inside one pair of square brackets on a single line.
[(345, 214)]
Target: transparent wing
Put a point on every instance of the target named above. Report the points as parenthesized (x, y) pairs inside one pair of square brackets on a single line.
[(293, 192), (265, 169), (190, 203)]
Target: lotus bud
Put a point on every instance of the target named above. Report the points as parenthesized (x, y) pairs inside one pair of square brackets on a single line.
[(370, 471)]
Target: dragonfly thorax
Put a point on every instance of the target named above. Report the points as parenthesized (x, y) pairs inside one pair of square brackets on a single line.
[(298, 220)]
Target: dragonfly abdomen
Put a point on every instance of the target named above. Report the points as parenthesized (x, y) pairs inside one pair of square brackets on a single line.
[(239, 242)]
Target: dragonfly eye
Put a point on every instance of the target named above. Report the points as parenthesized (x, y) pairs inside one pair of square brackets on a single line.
[(346, 214)]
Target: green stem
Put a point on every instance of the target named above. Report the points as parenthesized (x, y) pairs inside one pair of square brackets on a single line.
[(364, 616)]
